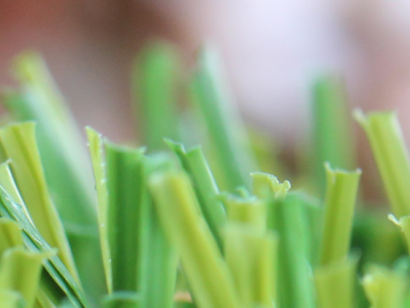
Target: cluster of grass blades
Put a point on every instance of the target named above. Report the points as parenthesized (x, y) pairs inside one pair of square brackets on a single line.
[(170, 226)]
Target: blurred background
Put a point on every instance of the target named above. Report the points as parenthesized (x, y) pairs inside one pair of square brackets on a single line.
[(272, 50)]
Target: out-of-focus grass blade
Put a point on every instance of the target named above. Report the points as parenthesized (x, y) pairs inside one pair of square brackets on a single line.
[(384, 288), (63, 155), (156, 79), (289, 218), (125, 185), (10, 235), (386, 139), (225, 130), (335, 284), (251, 258), (19, 144), (207, 191), (20, 271), (96, 147), (121, 300), (159, 259), (341, 194), (264, 183), (58, 282), (11, 299), (332, 135), (177, 207)]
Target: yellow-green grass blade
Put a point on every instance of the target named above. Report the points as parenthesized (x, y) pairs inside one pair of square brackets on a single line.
[(224, 127), (19, 144), (251, 256), (11, 299), (264, 184), (20, 271), (206, 189), (178, 209), (155, 86), (384, 288), (390, 152), (159, 259), (332, 134), (341, 192)]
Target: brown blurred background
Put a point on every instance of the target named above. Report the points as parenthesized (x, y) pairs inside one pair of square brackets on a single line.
[(271, 50)]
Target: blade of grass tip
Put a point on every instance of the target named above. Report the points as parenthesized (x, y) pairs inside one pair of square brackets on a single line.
[(389, 150), (225, 129), (124, 182), (159, 259), (20, 271), (206, 189), (57, 281), (404, 224), (251, 258), (156, 79), (96, 148), (11, 299), (335, 284), (264, 183), (384, 288), (341, 192), (121, 300), (19, 144), (288, 217), (177, 207), (332, 134)]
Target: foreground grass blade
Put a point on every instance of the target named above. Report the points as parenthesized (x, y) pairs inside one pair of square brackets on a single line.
[(384, 288), (11, 299), (58, 281), (335, 284), (226, 132), (207, 191), (341, 191), (177, 207), (19, 144), (156, 91), (20, 271), (159, 259), (332, 134), (121, 300), (389, 150)]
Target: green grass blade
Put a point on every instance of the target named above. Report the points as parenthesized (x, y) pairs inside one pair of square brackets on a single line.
[(224, 128), (20, 271), (341, 192), (11, 299), (177, 207), (10, 235), (264, 184), (332, 134), (384, 288), (335, 284), (96, 147), (206, 189), (159, 259), (121, 300), (156, 79), (386, 139), (20, 146)]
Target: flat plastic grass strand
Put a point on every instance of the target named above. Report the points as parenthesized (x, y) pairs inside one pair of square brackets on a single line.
[(264, 184), (391, 155), (209, 278), (156, 88), (341, 192), (96, 148), (223, 124), (19, 144), (121, 300), (11, 299), (332, 133)]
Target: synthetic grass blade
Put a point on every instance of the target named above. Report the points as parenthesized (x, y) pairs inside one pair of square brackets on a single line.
[(156, 78), (332, 134), (386, 139), (226, 132), (207, 191), (264, 184), (121, 300), (177, 207), (159, 259), (248, 210), (341, 194), (19, 144), (10, 235), (11, 299), (384, 288), (335, 284), (17, 263)]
